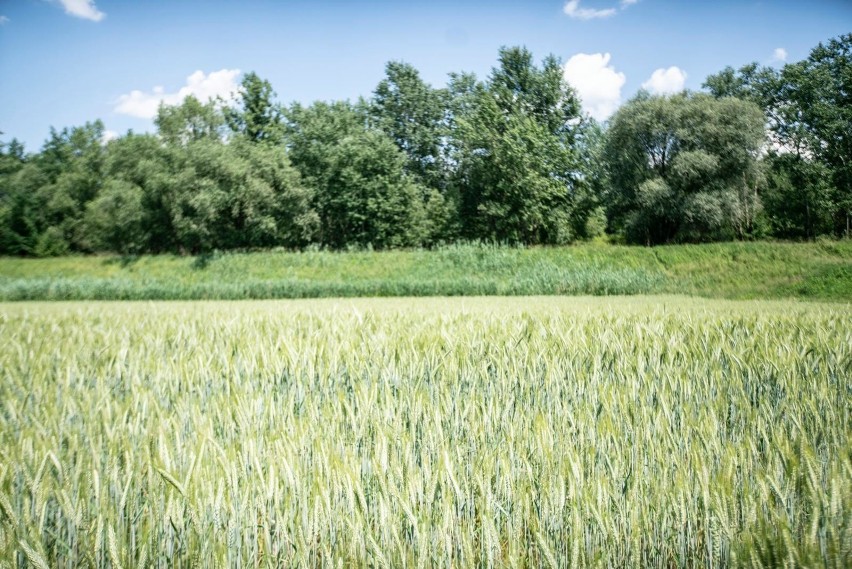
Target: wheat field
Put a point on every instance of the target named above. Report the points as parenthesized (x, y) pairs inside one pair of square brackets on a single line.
[(476, 432)]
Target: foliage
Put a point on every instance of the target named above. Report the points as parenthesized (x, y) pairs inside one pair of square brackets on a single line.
[(684, 168), (237, 195), (807, 109), (517, 166), (592, 185), (413, 114), (114, 220), (798, 198), (143, 161), (21, 214), (43, 199), (509, 159), (821, 88), (366, 193), (12, 157), (368, 199), (256, 116), (190, 121)]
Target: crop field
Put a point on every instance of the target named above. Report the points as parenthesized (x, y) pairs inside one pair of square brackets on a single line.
[(432, 432)]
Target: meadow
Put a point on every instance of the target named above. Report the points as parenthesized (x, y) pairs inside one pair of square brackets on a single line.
[(433, 432), (821, 270)]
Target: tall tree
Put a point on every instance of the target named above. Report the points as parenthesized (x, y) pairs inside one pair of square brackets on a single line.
[(799, 198), (515, 152), (314, 131), (363, 193), (21, 214), (765, 87), (114, 220), (72, 161), (143, 161), (236, 195), (591, 188), (821, 89), (808, 111), (256, 116), (684, 168), (413, 114), (12, 158), (190, 121), (370, 199)]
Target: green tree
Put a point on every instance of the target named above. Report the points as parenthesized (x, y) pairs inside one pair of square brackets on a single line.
[(314, 131), (820, 87), (72, 161), (363, 193), (237, 195), (799, 197), (143, 161), (114, 220), (276, 207), (514, 150), (684, 168), (256, 116), (21, 214), (766, 87), (190, 121), (12, 158), (370, 199), (590, 189), (413, 114), (807, 107)]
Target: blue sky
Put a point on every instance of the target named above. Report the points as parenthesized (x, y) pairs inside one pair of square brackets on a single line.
[(64, 62)]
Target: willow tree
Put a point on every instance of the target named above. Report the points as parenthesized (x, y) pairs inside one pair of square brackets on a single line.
[(685, 168)]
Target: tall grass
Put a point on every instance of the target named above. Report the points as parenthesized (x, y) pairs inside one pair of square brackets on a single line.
[(421, 433), (732, 270)]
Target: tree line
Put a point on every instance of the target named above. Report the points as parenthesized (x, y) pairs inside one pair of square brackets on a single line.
[(760, 152)]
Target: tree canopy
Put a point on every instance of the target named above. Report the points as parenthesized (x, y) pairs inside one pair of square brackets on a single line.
[(505, 158), (684, 167), (808, 110)]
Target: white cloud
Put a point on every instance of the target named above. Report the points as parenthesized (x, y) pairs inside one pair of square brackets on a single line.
[(626, 3), (780, 54), (3, 20), (597, 83), (85, 9), (220, 83), (666, 81), (108, 135), (572, 8)]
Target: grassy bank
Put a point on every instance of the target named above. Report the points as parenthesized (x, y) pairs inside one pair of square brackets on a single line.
[(729, 270)]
